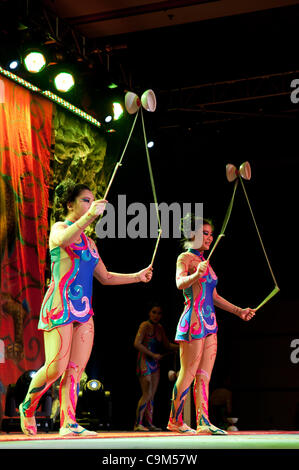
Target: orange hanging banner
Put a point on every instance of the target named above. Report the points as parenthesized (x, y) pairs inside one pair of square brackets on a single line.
[(25, 142)]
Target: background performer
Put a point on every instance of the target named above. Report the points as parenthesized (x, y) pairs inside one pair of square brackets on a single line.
[(149, 341)]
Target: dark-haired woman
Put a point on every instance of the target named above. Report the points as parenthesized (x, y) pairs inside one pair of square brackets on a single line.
[(66, 312), (197, 330), (149, 341)]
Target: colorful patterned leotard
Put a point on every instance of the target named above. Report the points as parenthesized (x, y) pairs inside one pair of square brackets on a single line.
[(198, 318), (69, 296), (147, 365)]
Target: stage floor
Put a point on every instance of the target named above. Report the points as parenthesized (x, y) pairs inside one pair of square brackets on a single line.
[(153, 440)]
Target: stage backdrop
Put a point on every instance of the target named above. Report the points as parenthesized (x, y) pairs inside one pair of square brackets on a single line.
[(25, 145), (79, 154)]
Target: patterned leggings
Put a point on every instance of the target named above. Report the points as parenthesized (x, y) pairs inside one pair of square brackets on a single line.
[(197, 362), (67, 350), (145, 408)]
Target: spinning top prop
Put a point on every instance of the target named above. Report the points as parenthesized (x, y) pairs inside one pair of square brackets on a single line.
[(233, 174), (133, 102), (148, 100), (244, 171)]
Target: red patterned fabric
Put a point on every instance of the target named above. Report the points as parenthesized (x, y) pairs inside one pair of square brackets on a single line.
[(25, 141)]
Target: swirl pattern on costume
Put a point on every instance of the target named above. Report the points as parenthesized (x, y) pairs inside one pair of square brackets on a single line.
[(198, 318), (147, 365), (69, 296)]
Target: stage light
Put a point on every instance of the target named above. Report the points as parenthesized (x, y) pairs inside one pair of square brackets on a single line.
[(15, 395), (94, 385), (35, 62), (117, 111), (64, 81), (151, 144), (22, 385), (108, 118), (14, 64), (52, 96), (94, 408)]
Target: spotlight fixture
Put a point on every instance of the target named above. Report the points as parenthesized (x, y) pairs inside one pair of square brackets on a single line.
[(22, 385), (64, 81), (108, 118), (94, 408), (112, 86), (94, 385), (14, 64), (116, 114), (35, 61), (117, 111)]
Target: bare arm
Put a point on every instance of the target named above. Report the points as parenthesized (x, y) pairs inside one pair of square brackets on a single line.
[(244, 313), (109, 278), (64, 235), (139, 339)]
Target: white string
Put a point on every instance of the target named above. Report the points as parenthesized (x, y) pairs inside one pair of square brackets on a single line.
[(118, 164)]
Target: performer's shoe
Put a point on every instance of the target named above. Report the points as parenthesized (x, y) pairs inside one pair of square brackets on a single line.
[(152, 427), (181, 428), (140, 428), (28, 425), (210, 429), (75, 430)]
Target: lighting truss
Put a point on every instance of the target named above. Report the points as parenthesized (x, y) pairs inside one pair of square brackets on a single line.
[(51, 96)]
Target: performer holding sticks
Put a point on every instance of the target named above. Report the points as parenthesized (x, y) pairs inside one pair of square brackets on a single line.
[(197, 328), (66, 315), (150, 338)]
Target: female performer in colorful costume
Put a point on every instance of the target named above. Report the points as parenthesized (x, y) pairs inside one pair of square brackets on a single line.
[(66, 315), (197, 330), (150, 338)]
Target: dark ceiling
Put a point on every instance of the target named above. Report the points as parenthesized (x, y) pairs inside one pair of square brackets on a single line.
[(107, 19), (210, 61)]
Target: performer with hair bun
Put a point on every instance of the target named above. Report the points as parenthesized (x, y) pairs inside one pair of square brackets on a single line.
[(66, 315), (197, 328)]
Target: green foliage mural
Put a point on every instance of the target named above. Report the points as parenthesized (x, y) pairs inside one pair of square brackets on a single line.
[(79, 154)]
